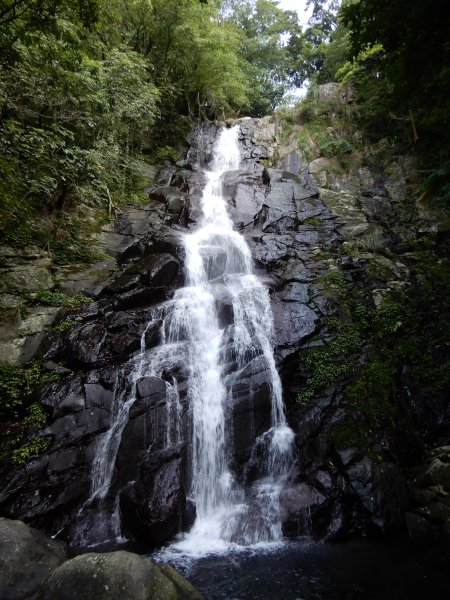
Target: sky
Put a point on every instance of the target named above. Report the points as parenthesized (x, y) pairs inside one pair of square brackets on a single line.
[(299, 6)]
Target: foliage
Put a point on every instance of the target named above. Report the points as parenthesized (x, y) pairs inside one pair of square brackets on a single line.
[(17, 385), (264, 50), (412, 81), (65, 325), (36, 445), (328, 363), (54, 298), (369, 349), (316, 52), (35, 417)]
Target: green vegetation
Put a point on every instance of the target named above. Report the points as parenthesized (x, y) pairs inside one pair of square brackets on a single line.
[(17, 385), (326, 364), (25, 417), (65, 325), (369, 348), (54, 298), (90, 90), (23, 453)]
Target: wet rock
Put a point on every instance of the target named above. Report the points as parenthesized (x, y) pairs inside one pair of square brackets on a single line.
[(117, 575), (122, 345), (251, 405), (151, 389), (98, 396), (391, 497), (72, 428), (27, 557), (294, 322), (85, 345), (146, 428), (421, 530), (140, 297), (435, 473), (171, 196), (153, 504), (299, 504)]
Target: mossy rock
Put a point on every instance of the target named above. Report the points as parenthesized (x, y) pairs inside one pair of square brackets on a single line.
[(115, 576)]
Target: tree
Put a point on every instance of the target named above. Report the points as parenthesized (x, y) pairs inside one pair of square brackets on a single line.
[(414, 35), (266, 61), (317, 51)]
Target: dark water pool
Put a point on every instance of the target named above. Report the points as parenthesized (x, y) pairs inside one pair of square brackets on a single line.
[(301, 570)]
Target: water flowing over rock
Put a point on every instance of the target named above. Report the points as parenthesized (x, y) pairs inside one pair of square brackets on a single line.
[(173, 389), (169, 414)]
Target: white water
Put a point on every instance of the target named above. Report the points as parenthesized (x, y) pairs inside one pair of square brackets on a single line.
[(217, 254), (218, 261)]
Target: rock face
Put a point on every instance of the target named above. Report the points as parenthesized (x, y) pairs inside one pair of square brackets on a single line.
[(295, 218), (27, 557)]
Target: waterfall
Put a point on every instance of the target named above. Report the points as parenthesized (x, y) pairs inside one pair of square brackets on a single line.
[(218, 261), (217, 255)]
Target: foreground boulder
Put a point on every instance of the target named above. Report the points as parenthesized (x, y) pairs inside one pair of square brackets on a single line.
[(27, 557), (116, 575), (34, 567)]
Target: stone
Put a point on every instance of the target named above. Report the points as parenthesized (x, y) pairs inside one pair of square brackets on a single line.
[(88, 279), (436, 472), (293, 162), (153, 504), (30, 276), (421, 531), (27, 557), (85, 345), (251, 405), (115, 576), (37, 320), (151, 388), (343, 204), (329, 91), (293, 322), (295, 292), (300, 504)]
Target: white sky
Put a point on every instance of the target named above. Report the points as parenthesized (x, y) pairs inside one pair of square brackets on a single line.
[(299, 6)]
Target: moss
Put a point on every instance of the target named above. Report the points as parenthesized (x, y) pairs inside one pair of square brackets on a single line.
[(347, 435), (55, 298), (333, 283), (65, 325), (312, 221), (328, 363), (371, 392), (23, 453), (17, 385), (321, 127)]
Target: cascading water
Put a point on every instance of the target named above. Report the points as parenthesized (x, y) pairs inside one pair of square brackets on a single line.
[(217, 256), (218, 263)]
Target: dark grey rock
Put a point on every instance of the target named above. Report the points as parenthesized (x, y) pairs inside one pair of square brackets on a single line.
[(117, 575), (251, 393), (153, 504), (294, 322), (27, 557)]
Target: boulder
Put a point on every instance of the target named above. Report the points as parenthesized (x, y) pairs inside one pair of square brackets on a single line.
[(27, 557), (115, 576)]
